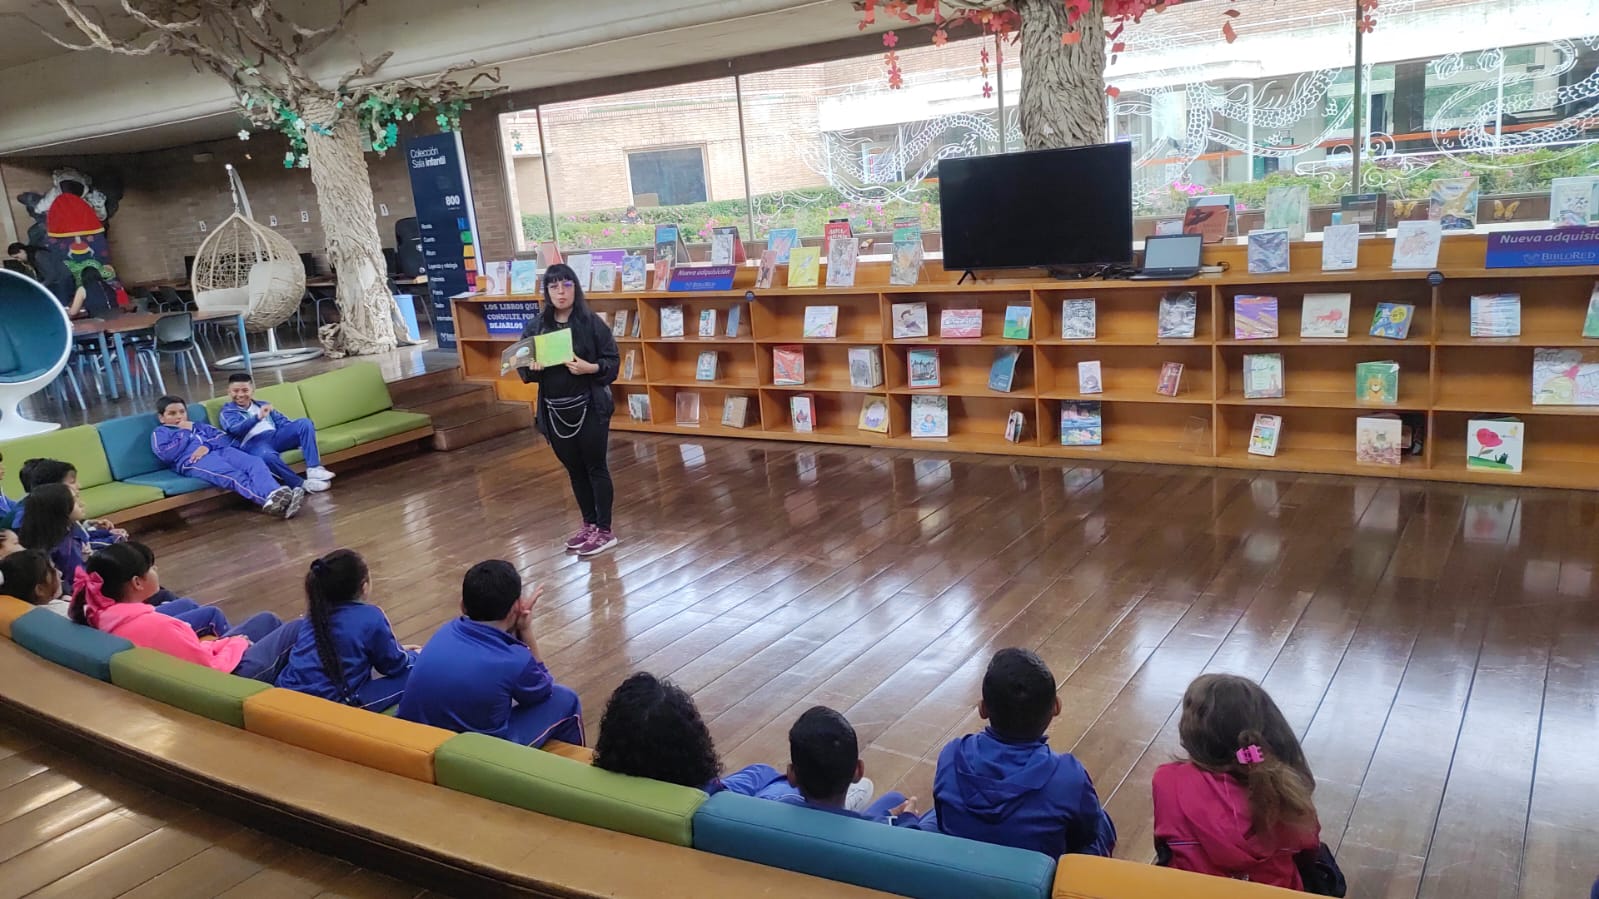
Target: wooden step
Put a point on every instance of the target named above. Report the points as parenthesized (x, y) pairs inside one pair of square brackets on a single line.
[(438, 400), (402, 390), (463, 427)]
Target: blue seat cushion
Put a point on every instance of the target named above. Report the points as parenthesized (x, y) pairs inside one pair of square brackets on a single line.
[(83, 649), (169, 483), (864, 853), (127, 444)]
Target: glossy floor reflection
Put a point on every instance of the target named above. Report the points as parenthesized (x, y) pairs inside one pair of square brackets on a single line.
[(1436, 645)]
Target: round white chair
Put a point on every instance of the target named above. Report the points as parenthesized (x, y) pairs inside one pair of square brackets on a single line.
[(35, 342)]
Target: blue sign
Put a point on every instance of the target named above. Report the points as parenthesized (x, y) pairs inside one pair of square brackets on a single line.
[(506, 318), (1550, 247), (444, 216), (702, 277)]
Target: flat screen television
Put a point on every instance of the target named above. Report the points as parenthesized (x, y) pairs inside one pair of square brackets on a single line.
[(1040, 208)]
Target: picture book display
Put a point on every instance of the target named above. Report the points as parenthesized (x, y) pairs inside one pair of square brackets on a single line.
[(1018, 323), (1377, 382), (1264, 434), (1452, 203), (874, 415), (1268, 252), (602, 278), (638, 407), (1171, 379), (494, 279), (767, 270), (1089, 378), (905, 267), (1015, 426), (929, 416), (1494, 444), (1325, 316), (735, 316), (549, 253), (671, 321), (735, 411), (629, 359), (802, 413), (1368, 212), (1263, 376), (1590, 322), (842, 253), (705, 368), (1574, 202), (1416, 245), (1081, 424), (960, 323), (1178, 315), (1288, 209), (923, 365), (660, 274), (1254, 317), (1209, 222), (1565, 377), (821, 322), (669, 246), (788, 366), (1002, 374), (1078, 320), (633, 269), (1496, 315), (781, 241), (804, 266), (726, 248), (524, 276), (554, 348), (688, 409), (707, 323), (910, 320), (835, 229), (614, 257), (582, 265), (865, 367), (1379, 439), (619, 324), (1392, 320), (1340, 247)]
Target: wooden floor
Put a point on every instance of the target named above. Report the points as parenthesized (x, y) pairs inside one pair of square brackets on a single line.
[(68, 830), (1437, 646)]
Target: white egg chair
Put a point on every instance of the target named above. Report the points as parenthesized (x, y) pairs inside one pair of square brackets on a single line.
[(35, 343)]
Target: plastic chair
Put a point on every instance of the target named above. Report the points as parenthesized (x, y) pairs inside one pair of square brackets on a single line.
[(174, 336)]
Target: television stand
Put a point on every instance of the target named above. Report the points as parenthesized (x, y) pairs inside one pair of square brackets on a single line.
[(967, 274)]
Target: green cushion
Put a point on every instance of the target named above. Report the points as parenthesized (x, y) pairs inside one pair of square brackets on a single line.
[(546, 783), (284, 397), (345, 394), (185, 685), (213, 410), (108, 499), (81, 446), (373, 427)]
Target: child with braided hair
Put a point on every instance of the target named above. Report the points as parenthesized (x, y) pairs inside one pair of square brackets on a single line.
[(346, 640)]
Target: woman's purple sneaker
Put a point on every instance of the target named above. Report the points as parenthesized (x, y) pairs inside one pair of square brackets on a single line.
[(576, 541), (599, 541)]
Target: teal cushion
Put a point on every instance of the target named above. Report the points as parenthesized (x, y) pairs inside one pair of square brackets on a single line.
[(185, 685), (126, 441), (547, 783), (345, 394), (108, 499), (83, 649), (80, 446), (867, 854), (170, 483), (374, 427)]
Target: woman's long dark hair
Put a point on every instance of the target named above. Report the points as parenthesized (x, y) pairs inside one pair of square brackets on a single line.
[(651, 728), (1224, 713), (334, 580), (46, 517), (580, 306)]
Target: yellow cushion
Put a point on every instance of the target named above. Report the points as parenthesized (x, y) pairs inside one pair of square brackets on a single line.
[(355, 735), (1092, 877), (568, 751), (11, 609)]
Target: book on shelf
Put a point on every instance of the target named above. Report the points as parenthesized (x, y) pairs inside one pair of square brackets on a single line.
[(688, 409), (670, 247), (672, 321), (1574, 202), (660, 274), (619, 324), (835, 229), (1081, 424), (960, 323), (1015, 426), (494, 278), (549, 254), (1018, 323), (1452, 203), (1590, 322), (638, 407), (1565, 377), (767, 270), (1368, 212), (602, 277), (865, 367), (923, 365), (1209, 222), (905, 267), (582, 265), (929, 416), (1325, 316), (707, 322), (1178, 316), (1496, 315), (1077, 319), (726, 248), (910, 320), (1166, 227), (842, 254), (804, 266), (1002, 374), (907, 227), (628, 361), (735, 411), (1392, 320), (1089, 377), (1171, 379), (1379, 439), (638, 325), (1255, 318), (780, 241), (553, 348), (788, 366), (524, 276), (1416, 245), (1288, 209), (802, 413), (1268, 252), (735, 319), (1264, 433), (874, 415), (705, 368), (1377, 382), (1494, 444), (821, 323), (1340, 247), (1263, 376), (633, 269)]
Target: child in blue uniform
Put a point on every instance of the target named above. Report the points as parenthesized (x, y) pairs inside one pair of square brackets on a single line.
[(1004, 785), (8, 507), (96, 533), (824, 759), (197, 450), (348, 639), (265, 433), (481, 673)]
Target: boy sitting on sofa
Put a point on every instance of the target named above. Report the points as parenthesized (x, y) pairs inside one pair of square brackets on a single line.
[(197, 450), (265, 433)]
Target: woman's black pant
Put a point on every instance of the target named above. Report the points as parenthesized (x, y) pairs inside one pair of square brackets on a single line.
[(584, 455)]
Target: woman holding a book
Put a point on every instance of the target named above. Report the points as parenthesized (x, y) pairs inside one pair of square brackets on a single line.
[(574, 361)]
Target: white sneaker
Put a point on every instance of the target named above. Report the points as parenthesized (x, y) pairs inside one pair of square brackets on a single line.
[(316, 486), (296, 498), (319, 474), (859, 795), (277, 501)]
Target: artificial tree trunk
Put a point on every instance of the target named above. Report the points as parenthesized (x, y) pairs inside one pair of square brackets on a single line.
[(349, 223), (1063, 93)]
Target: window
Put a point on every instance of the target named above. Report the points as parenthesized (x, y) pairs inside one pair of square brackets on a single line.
[(667, 177), (524, 175)]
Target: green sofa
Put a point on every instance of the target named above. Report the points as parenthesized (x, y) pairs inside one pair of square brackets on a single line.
[(82, 447)]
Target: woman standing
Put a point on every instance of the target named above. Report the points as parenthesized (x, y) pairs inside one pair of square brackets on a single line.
[(575, 403)]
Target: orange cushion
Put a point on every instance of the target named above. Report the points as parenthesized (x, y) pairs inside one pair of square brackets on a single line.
[(568, 751), (11, 609), (1092, 877), (355, 735)]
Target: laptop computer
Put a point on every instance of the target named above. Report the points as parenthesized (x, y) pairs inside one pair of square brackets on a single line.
[(1170, 257)]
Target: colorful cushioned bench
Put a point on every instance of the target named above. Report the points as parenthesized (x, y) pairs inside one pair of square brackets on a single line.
[(353, 403), (83, 649), (286, 399), (355, 735), (81, 446), (1092, 877), (185, 685), (11, 609), (126, 441)]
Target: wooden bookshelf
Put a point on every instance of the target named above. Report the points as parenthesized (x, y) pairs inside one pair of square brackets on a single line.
[(1446, 376)]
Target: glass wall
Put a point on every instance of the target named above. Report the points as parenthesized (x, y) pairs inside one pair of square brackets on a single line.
[(523, 152)]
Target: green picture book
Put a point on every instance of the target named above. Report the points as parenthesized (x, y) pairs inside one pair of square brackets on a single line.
[(1377, 382), (1590, 325), (554, 348)]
